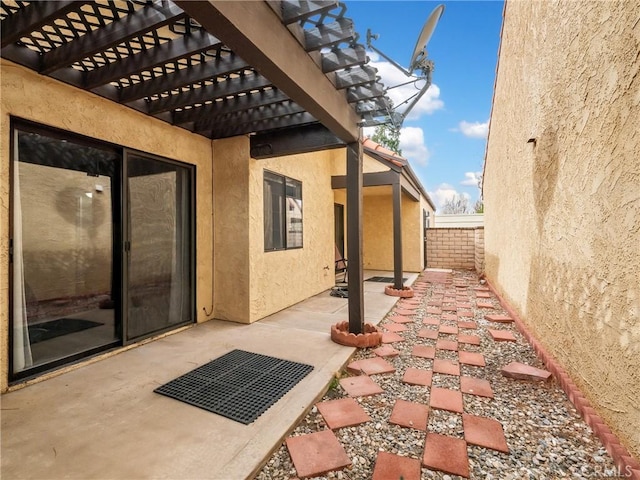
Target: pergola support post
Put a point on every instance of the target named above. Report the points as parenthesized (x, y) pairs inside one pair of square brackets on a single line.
[(398, 284), (354, 237)]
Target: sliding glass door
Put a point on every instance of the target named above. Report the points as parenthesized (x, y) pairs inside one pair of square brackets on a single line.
[(159, 254), (102, 247)]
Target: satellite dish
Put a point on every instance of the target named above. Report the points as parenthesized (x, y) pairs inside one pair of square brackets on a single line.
[(420, 51), (418, 63)]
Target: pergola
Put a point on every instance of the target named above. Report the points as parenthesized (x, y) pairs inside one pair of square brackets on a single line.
[(291, 74)]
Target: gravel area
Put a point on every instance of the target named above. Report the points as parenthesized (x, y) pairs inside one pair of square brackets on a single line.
[(546, 437)]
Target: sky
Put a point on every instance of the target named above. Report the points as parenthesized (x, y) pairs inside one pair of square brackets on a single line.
[(444, 136)]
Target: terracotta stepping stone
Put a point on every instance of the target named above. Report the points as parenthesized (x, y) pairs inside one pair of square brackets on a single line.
[(469, 339), (465, 314), (389, 466), (411, 307), (447, 454), (360, 386), (431, 321), (449, 308), (442, 344), (501, 335), (417, 376), (428, 333), (522, 371), (471, 358), (484, 432), (463, 305), (407, 312), (448, 316), (446, 399), (434, 303), (410, 415), (386, 351), (423, 351), (434, 310), (483, 294), (370, 366), (469, 325), (316, 453), (481, 289), (344, 412), (395, 327), (448, 367), (410, 304), (391, 337), (448, 329), (401, 319), (476, 386), (484, 305), (499, 318)]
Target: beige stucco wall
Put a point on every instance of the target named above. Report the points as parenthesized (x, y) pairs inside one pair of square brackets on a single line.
[(37, 98), (565, 248)]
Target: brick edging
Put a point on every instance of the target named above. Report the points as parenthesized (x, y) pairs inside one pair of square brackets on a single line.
[(627, 465)]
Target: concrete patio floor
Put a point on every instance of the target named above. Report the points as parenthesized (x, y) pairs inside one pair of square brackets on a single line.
[(103, 420)]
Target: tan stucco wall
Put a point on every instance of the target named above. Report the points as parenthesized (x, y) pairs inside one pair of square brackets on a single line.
[(33, 97), (562, 216)]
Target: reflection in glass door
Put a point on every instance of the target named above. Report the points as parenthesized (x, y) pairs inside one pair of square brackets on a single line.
[(62, 250), (159, 285)]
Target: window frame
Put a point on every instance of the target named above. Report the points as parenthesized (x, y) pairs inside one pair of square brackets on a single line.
[(284, 219)]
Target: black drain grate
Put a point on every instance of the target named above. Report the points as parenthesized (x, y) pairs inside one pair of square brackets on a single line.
[(239, 385), (383, 279)]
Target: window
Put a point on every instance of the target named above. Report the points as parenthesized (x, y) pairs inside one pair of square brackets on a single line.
[(282, 212)]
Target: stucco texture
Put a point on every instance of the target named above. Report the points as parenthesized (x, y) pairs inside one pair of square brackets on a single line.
[(562, 221), (37, 98)]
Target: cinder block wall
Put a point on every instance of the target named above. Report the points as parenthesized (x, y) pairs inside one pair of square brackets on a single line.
[(456, 248)]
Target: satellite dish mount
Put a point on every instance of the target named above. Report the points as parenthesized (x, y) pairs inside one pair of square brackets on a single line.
[(420, 67)]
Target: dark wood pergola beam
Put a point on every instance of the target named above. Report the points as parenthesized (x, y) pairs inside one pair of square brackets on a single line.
[(298, 119), (309, 138), (149, 18), (256, 33), (33, 17), (259, 114), (354, 237), (154, 57)]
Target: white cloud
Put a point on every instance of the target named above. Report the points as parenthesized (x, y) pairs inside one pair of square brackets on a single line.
[(391, 76), (471, 179), (474, 129), (445, 192), (413, 146)]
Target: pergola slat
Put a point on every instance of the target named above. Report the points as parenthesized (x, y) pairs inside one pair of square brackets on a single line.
[(327, 35), (343, 58), (33, 17), (157, 56), (211, 112), (296, 120), (151, 17), (365, 92), (293, 12), (355, 77)]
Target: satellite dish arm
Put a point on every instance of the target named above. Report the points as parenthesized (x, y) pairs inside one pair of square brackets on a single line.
[(395, 64)]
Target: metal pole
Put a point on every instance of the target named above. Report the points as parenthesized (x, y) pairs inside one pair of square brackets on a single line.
[(397, 234)]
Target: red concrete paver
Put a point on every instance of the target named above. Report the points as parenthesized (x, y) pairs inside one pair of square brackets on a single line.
[(469, 339), (499, 318), (386, 351), (431, 321), (484, 432), (449, 316), (408, 306), (448, 329), (447, 367), (442, 344), (417, 376), (502, 335), (468, 325), (428, 333), (391, 337), (465, 314), (316, 453), (483, 294), (404, 311), (476, 386), (360, 386), (446, 399), (434, 310), (463, 305), (423, 351), (410, 415), (447, 454), (370, 366), (434, 303), (484, 305), (389, 466), (521, 371), (344, 412), (401, 319), (472, 358), (448, 308), (395, 327)]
